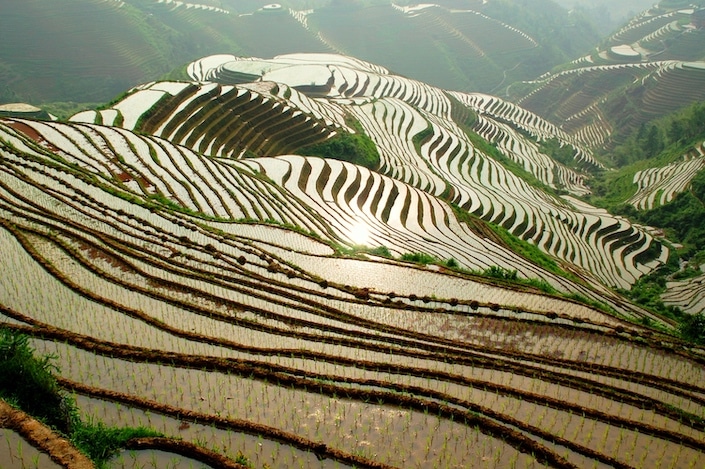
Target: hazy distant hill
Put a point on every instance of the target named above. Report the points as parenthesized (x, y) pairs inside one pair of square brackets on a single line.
[(608, 15), (649, 68), (91, 50)]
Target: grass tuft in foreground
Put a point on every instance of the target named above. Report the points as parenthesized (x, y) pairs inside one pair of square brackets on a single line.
[(27, 382)]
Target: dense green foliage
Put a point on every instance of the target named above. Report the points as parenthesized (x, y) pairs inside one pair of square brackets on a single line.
[(665, 138), (648, 289), (693, 328), (355, 148), (27, 382), (564, 154)]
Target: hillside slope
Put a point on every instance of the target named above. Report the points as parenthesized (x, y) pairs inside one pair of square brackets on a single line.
[(122, 258), (650, 68), (425, 136), (88, 51)]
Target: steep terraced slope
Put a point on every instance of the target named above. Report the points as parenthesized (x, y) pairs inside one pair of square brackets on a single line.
[(336, 200), (396, 112), (658, 186), (223, 120)]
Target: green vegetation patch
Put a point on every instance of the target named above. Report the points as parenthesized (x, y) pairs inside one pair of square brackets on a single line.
[(564, 154), (512, 276), (664, 140), (684, 218), (693, 328), (661, 142), (647, 292), (28, 383), (516, 244), (355, 148), (419, 258), (100, 442)]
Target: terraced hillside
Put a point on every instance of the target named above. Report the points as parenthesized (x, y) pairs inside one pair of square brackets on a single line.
[(659, 185), (223, 120), (425, 139), (651, 67), (164, 310), (451, 301)]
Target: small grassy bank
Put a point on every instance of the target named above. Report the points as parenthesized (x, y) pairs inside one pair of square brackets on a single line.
[(355, 148), (27, 382)]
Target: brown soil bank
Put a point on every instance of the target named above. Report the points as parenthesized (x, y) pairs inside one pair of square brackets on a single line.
[(43, 438), (186, 449)]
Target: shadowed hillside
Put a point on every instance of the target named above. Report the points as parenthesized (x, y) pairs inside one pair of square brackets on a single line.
[(88, 51)]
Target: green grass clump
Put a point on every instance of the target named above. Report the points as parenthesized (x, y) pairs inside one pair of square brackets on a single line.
[(382, 251), (27, 382), (100, 442), (500, 273), (512, 276), (355, 148), (419, 258), (452, 263)]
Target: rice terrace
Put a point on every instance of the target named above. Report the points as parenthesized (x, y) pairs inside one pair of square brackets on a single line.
[(352, 234)]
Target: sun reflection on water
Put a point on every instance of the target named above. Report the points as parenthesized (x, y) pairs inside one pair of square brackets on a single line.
[(359, 233)]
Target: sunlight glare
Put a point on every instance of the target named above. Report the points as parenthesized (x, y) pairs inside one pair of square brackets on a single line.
[(360, 233)]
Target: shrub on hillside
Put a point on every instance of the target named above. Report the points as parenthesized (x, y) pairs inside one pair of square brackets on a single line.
[(500, 273), (693, 328), (356, 148), (418, 258)]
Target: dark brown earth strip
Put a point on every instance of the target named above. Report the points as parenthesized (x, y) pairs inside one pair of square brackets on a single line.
[(186, 449), (43, 438)]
